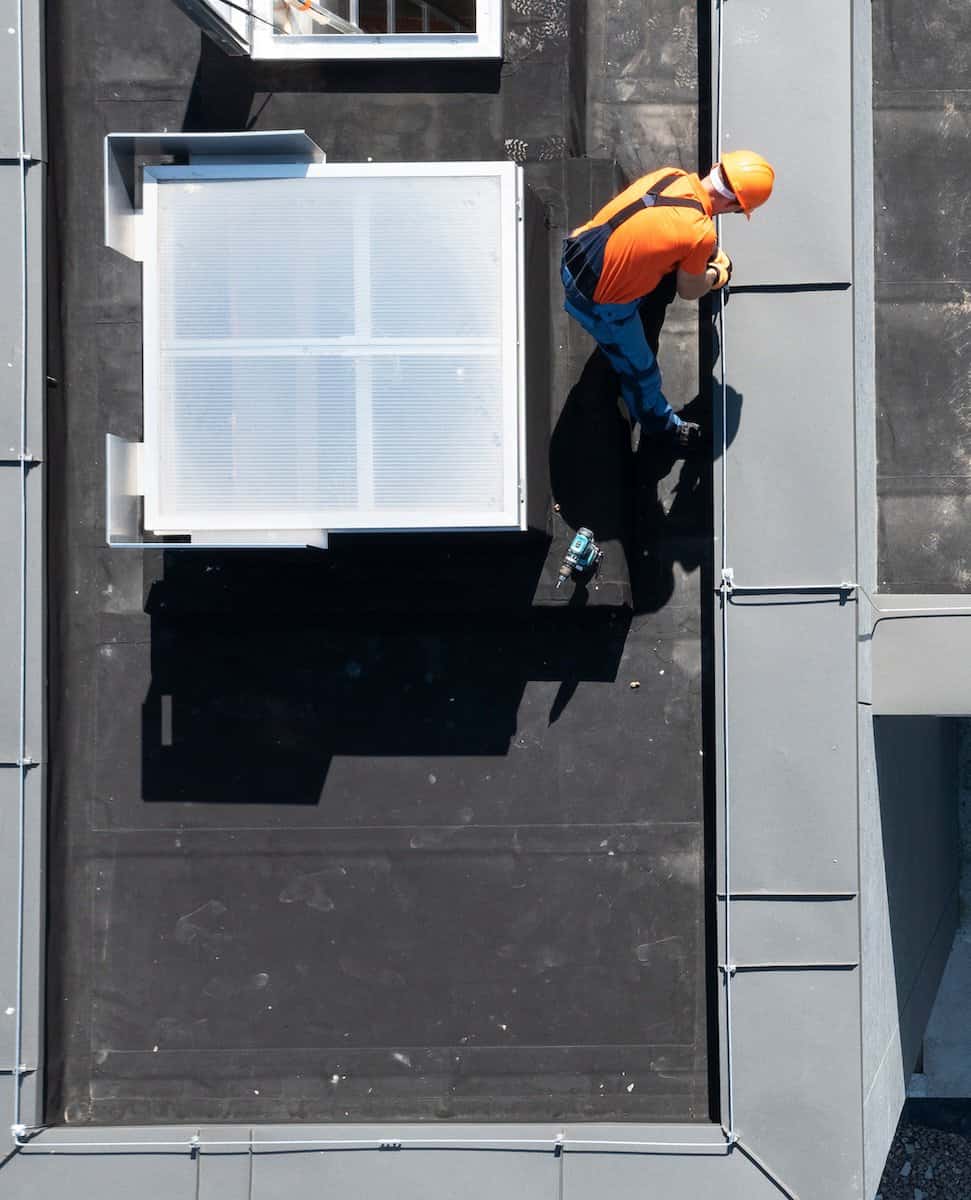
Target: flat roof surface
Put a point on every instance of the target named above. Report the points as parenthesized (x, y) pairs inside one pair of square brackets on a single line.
[(385, 832)]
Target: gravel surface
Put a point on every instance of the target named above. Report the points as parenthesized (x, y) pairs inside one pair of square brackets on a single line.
[(926, 1164)]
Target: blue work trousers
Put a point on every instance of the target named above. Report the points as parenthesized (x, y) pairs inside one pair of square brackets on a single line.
[(618, 331)]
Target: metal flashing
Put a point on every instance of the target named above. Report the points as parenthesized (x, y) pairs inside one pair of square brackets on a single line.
[(9, 899), (9, 72), (184, 1162), (790, 467), (786, 612), (786, 92), (803, 1025), (783, 932), (12, 352), (11, 485), (22, 75), (791, 756), (921, 648), (22, 557), (123, 150)]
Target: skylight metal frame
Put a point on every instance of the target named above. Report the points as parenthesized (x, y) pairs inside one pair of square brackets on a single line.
[(510, 343), (485, 43)]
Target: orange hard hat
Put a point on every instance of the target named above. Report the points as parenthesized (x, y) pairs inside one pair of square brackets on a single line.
[(749, 176)]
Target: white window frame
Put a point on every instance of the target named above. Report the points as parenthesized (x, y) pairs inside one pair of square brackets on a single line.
[(486, 42), (511, 343)]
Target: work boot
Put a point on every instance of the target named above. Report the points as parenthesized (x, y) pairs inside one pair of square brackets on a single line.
[(685, 437)]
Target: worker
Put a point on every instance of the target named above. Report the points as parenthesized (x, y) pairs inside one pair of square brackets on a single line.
[(656, 235)]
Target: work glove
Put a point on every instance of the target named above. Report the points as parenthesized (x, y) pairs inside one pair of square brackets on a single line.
[(686, 436), (723, 268)]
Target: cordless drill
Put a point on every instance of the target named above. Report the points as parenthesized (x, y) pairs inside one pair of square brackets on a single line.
[(583, 554)]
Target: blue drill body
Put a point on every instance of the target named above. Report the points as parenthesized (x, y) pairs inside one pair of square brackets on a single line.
[(582, 555)]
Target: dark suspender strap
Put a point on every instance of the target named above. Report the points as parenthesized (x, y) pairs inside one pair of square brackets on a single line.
[(672, 201), (678, 202), (653, 198), (664, 183), (630, 210)]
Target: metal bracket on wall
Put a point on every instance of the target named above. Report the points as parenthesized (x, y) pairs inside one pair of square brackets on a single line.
[(26, 459), (728, 587), (734, 968)]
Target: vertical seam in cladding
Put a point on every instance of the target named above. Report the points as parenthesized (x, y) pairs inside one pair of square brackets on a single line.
[(727, 974), (854, 250), (22, 675), (861, 185)]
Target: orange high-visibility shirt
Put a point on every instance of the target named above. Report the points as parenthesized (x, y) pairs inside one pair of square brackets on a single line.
[(654, 242)]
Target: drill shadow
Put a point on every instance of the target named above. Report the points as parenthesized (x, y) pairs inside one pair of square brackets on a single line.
[(572, 676)]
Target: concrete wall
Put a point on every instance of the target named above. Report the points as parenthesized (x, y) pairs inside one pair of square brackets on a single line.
[(909, 876)]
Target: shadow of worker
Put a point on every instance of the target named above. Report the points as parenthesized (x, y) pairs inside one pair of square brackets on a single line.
[(652, 501), (591, 465), (591, 461), (673, 510)]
